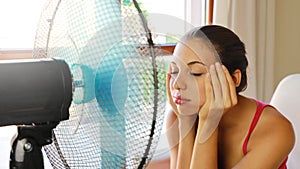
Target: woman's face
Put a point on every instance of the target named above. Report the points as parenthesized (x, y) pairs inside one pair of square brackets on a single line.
[(188, 69)]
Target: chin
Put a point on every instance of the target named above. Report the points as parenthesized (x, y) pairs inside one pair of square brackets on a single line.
[(187, 110)]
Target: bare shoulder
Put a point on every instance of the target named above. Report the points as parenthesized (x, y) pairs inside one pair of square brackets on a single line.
[(273, 122), (273, 138), (274, 131)]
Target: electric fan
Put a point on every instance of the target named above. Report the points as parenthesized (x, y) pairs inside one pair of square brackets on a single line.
[(118, 78)]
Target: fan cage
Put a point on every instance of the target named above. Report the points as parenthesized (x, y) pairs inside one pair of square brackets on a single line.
[(119, 97)]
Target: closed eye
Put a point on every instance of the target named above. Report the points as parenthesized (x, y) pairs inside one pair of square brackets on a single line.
[(196, 74)]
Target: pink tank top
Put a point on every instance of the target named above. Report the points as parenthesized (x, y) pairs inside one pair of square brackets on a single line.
[(259, 110)]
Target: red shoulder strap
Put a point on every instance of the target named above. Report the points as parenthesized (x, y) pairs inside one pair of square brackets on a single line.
[(260, 107)]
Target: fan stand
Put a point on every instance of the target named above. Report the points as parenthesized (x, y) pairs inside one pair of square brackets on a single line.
[(27, 146)]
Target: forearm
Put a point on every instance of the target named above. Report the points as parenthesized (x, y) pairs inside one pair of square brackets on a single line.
[(173, 137), (173, 157), (186, 144), (205, 155)]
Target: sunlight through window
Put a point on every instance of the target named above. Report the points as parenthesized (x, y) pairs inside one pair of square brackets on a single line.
[(19, 21)]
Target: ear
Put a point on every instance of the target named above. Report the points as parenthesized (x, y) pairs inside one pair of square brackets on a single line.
[(236, 77)]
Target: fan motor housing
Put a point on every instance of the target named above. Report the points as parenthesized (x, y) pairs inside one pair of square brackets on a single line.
[(34, 91)]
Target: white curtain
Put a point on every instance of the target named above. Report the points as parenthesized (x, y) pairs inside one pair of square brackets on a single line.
[(253, 22)]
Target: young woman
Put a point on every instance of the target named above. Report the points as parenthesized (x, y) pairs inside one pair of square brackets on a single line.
[(211, 125)]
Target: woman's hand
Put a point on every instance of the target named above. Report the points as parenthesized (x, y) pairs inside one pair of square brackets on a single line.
[(220, 97), (170, 100)]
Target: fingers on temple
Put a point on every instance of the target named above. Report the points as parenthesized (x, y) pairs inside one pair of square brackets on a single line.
[(209, 96), (231, 85), (215, 84), (224, 85), (208, 88)]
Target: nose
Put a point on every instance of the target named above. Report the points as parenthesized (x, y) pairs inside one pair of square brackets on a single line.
[(179, 82)]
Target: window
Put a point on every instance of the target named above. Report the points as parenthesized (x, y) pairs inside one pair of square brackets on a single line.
[(19, 19), (18, 23), (173, 18), (168, 20)]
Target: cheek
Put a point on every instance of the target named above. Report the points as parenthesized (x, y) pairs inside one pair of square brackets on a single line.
[(197, 91)]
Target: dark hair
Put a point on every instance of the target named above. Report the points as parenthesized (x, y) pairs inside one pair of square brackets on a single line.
[(228, 46)]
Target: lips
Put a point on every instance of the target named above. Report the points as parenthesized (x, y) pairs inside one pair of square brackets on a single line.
[(178, 100)]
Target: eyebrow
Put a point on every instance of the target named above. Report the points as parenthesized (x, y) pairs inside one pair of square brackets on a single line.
[(191, 63), (196, 62)]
